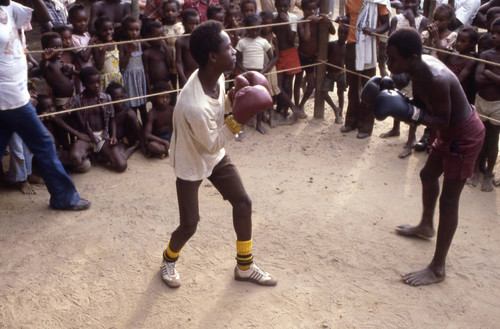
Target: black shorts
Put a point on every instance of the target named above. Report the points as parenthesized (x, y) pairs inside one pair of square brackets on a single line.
[(307, 61)]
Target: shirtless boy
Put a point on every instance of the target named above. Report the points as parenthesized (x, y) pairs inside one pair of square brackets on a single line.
[(288, 58), (127, 125), (488, 105), (308, 47), (197, 152), (114, 9), (97, 126), (184, 61), (59, 76), (440, 103), (158, 129), (157, 59), (336, 56)]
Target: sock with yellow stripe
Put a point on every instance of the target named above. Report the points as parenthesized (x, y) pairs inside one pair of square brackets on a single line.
[(244, 256), (169, 255)]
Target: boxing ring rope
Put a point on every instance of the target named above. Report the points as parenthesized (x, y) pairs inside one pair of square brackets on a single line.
[(320, 62)]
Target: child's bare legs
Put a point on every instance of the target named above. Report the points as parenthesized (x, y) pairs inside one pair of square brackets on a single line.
[(340, 95), (310, 84), (158, 149), (430, 191), (258, 125), (491, 148), (117, 161), (134, 134), (284, 100), (336, 110), (412, 140), (394, 131), (297, 87), (382, 59), (78, 154), (143, 113), (448, 220)]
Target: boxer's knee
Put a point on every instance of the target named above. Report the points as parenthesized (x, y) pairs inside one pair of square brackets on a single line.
[(188, 229), (242, 205)]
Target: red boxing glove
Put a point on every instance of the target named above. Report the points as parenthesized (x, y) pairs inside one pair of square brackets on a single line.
[(250, 78), (249, 101)]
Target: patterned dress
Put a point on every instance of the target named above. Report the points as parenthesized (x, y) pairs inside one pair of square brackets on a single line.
[(111, 69), (134, 79)]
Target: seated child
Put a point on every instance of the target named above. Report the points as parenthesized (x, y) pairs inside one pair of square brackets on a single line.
[(158, 129), (128, 128), (185, 63), (336, 56), (97, 128), (157, 59)]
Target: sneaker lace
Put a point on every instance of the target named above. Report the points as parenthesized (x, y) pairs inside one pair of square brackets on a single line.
[(169, 269), (261, 272)]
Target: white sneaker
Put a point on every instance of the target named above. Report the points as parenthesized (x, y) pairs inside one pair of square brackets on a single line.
[(170, 275), (256, 275)]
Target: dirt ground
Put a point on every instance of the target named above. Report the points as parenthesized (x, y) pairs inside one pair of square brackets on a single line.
[(325, 205)]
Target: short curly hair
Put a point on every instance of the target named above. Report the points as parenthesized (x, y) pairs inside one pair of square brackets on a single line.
[(204, 39), (407, 41)]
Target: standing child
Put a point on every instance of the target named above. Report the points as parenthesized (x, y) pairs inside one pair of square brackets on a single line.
[(336, 56), (77, 17), (185, 63), (157, 59), (271, 76), (97, 126), (409, 17), (488, 106), (158, 128), (68, 57), (231, 21), (116, 10), (134, 79), (437, 34), (288, 58), (247, 7), (465, 68), (251, 51), (216, 13), (106, 58), (308, 47)]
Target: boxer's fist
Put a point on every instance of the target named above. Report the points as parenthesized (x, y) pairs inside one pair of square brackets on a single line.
[(398, 105), (250, 78), (371, 90), (387, 83), (249, 101)]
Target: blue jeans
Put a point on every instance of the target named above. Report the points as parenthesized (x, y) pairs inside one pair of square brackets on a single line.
[(20, 159), (25, 122)]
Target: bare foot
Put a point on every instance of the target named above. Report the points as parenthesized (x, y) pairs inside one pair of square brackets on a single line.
[(299, 113), (473, 180), (390, 133), (416, 231), (487, 183), (261, 129), (406, 151), (130, 150), (26, 187), (424, 277), (35, 179)]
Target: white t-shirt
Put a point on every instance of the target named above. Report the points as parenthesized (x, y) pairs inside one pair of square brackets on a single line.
[(199, 133), (291, 18), (465, 10), (13, 67), (253, 51)]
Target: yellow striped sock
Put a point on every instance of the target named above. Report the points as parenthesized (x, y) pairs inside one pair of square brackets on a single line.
[(169, 255), (244, 256)]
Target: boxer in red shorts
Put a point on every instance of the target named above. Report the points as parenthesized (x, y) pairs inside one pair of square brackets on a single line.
[(439, 102)]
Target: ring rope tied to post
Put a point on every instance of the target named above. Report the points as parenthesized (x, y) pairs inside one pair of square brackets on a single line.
[(150, 95)]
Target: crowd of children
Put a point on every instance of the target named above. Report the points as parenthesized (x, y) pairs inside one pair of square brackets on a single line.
[(110, 134)]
